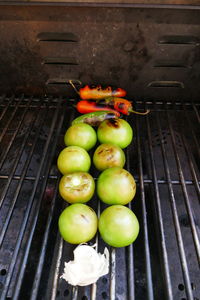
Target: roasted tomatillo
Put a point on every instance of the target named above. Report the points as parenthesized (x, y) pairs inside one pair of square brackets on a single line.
[(108, 156), (73, 159), (81, 135), (77, 187), (116, 186), (118, 226), (78, 223), (115, 131)]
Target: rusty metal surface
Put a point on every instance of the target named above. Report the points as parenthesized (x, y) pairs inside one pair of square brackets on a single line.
[(153, 53)]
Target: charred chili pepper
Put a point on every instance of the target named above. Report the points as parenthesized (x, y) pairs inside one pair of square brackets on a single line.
[(123, 106), (97, 93), (85, 107), (94, 118)]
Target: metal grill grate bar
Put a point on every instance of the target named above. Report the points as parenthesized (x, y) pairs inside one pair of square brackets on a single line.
[(10, 212), (160, 218), (6, 108), (130, 252), (194, 174), (13, 115), (44, 164), (14, 135), (195, 138), (94, 286), (37, 278), (146, 181), (196, 112), (176, 219), (57, 267), (144, 215), (23, 227), (112, 273), (187, 201)]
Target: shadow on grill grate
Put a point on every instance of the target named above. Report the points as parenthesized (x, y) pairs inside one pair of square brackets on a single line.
[(164, 159)]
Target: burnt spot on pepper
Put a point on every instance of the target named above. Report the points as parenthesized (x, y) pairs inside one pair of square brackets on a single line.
[(122, 105)]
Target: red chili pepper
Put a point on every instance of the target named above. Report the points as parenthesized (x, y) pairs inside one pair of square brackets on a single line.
[(97, 93), (123, 106), (85, 107), (87, 93)]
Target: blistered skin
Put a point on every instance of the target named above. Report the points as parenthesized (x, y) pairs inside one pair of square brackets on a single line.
[(115, 131), (77, 187), (108, 156)]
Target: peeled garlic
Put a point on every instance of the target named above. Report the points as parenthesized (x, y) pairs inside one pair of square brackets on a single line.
[(88, 265)]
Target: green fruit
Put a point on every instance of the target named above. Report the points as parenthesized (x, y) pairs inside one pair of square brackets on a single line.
[(116, 186), (108, 156), (82, 135), (73, 159), (77, 187), (78, 223), (118, 226), (115, 131)]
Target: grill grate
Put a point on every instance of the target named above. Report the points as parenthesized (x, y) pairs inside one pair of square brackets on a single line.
[(164, 159)]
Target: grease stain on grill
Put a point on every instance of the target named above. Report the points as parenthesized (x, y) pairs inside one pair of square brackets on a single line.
[(136, 51), (66, 293), (3, 272), (181, 287), (104, 295), (193, 286), (185, 222), (104, 280)]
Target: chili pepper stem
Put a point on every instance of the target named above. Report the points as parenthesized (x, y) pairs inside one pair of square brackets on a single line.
[(72, 84), (140, 113)]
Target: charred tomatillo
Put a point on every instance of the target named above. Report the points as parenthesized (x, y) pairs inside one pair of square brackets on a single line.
[(108, 156), (77, 187), (115, 131)]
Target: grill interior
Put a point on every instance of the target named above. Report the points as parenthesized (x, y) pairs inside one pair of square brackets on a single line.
[(163, 263), (153, 52)]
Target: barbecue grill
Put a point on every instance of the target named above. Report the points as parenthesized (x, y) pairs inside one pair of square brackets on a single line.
[(152, 51)]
